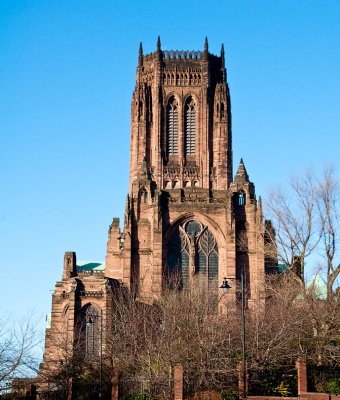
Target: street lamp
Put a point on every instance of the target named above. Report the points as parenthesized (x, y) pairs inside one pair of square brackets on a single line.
[(225, 286), (90, 320)]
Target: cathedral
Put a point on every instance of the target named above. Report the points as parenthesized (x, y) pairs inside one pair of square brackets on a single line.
[(187, 215)]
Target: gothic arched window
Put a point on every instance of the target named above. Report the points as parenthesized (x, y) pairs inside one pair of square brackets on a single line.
[(193, 250), (90, 325), (189, 127), (172, 127)]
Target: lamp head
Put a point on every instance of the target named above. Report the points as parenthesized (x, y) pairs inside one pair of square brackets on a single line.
[(225, 285)]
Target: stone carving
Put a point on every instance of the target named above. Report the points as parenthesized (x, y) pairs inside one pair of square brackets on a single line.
[(191, 173), (175, 173)]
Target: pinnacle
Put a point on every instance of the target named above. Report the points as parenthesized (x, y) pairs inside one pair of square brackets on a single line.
[(140, 55), (206, 44), (241, 174)]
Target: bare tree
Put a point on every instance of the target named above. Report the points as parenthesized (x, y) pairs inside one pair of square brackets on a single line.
[(306, 222), (294, 219), (146, 341), (18, 343), (143, 342), (328, 213), (70, 370)]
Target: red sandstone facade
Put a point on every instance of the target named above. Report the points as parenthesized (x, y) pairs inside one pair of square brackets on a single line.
[(186, 215)]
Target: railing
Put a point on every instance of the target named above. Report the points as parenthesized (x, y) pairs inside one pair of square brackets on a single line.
[(100, 274)]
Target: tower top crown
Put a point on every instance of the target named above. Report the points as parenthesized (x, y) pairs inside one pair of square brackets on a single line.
[(189, 55)]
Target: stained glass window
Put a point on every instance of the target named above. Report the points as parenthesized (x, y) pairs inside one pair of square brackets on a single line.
[(193, 249), (90, 330)]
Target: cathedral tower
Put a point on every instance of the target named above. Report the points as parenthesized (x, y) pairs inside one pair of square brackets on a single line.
[(185, 215), (187, 219)]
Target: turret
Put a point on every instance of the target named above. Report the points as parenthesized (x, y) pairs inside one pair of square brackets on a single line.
[(70, 269)]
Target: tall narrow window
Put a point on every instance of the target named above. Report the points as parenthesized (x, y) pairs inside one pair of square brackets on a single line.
[(172, 127), (189, 127), (89, 330)]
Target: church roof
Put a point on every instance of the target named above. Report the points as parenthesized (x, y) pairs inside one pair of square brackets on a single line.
[(90, 265)]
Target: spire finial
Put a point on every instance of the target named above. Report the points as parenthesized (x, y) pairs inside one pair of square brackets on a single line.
[(223, 63), (205, 54), (206, 46), (140, 55), (159, 43)]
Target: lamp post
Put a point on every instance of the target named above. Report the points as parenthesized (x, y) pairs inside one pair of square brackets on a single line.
[(90, 320), (225, 286)]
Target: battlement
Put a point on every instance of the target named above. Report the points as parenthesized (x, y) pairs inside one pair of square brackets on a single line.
[(181, 67), (190, 56), (175, 55), (182, 54)]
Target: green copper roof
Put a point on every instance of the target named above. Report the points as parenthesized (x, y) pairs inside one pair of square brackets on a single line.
[(318, 284), (90, 266), (282, 268)]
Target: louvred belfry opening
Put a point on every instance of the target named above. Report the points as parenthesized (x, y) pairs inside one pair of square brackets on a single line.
[(172, 127), (190, 127)]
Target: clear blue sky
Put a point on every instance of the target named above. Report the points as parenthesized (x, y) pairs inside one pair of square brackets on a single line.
[(67, 73)]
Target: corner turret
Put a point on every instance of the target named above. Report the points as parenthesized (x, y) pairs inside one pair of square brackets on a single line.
[(70, 262)]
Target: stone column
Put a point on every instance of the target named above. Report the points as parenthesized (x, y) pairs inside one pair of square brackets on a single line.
[(178, 382), (114, 388), (301, 367)]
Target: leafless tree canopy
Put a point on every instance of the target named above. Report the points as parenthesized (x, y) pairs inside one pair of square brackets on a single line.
[(18, 343), (146, 341), (306, 222), (143, 342)]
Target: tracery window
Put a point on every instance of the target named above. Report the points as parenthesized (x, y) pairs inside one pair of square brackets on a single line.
[(90, 330), (172, 127), (189, 127), (193, 250)]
